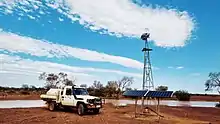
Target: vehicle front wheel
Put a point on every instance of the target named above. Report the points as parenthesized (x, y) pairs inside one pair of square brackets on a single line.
[(81, 109), (96, 111)]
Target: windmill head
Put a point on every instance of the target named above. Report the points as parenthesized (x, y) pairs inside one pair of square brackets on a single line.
[(145, 36)]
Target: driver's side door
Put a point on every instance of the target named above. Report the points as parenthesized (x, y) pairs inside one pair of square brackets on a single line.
[(67, 97)]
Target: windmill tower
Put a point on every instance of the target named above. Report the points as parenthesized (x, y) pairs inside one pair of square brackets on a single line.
[(147, 71)]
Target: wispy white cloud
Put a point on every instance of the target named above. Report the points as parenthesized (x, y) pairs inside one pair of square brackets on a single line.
[(128, 19), (19, 67), (178, 67), (27, 45), (168, 27), (54, 67)]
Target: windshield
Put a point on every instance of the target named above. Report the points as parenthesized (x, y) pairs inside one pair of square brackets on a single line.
[(80, 91)]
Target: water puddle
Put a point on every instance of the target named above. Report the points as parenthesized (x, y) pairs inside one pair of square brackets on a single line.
[(21, 103), (166, 102), (41, 103)]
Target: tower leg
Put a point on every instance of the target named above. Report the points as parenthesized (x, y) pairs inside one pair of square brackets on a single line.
[(142, 105), (135, 115)]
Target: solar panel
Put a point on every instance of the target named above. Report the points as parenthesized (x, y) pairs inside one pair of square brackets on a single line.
[(159, 94), (135, 93)]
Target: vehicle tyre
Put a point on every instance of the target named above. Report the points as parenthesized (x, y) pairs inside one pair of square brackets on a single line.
[(81, 109), (96, 111), (51, 106)]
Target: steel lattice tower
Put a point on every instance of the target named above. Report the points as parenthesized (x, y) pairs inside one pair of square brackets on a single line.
[(147, 71)]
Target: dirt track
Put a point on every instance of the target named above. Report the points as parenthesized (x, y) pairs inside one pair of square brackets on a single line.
[(110, 115)]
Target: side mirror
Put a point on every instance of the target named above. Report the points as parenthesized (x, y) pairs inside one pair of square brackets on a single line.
[(73, 86)]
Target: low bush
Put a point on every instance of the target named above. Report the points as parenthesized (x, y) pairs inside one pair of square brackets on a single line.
[(182, 95), (25, 93), (11, 92)]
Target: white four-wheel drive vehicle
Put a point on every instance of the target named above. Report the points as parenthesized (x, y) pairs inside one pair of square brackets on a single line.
[(74, 97)]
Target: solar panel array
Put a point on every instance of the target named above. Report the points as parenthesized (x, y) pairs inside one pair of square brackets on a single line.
[(146, 93), (135, 93), (159, 94)]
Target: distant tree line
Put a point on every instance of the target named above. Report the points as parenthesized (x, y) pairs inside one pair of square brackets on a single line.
[(112, 89), (23, 90)]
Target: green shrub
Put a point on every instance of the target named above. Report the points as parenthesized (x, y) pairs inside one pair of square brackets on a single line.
[(182, 95)]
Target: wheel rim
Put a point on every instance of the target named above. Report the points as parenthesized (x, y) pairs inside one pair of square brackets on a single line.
[(51, 106)]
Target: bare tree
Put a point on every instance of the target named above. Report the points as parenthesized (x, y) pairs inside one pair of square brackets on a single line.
[(63, 79), (124, 83), (56, 80), (51, 80), (112, 84), (96, 89), (97, 85), (68, 82), (213, 81), (111, 88)]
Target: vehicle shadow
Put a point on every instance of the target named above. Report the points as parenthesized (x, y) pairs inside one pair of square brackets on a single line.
[(71, 110)]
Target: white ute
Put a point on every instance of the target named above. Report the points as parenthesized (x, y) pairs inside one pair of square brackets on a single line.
[(72, 96)]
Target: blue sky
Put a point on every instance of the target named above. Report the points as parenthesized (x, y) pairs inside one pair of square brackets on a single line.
[(101, 41)]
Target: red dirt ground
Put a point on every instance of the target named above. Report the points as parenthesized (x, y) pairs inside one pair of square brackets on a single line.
[(20, 97), (111, 115)]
